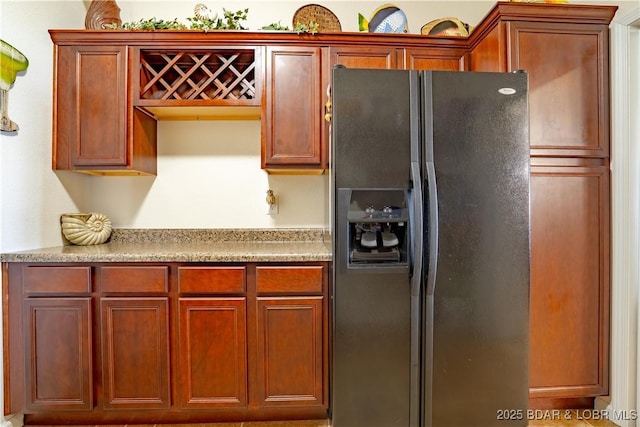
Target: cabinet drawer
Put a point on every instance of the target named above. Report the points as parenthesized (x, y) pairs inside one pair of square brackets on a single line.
[(135, 279), (56, 280), (307, 279), (211, 280)]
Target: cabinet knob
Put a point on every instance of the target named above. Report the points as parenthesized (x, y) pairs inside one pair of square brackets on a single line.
[(327, 106), (327, 110)]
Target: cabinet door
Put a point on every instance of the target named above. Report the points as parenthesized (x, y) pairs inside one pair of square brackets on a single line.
[(435, 59), (290, 362), (213, 353), (135, 353), (58, 344), (569, 329), (293, 110), (364, 57), (90, 118), (568, 69)]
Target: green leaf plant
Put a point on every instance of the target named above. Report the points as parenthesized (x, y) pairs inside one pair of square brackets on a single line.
[(311, 27), (229, 21)]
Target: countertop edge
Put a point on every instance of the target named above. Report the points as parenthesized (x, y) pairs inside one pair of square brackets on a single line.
[(286, 246), (167, 257)]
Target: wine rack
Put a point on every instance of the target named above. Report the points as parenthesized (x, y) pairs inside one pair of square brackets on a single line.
[(199, 77)]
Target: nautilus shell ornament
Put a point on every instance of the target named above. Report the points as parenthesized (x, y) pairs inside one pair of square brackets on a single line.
[(86, 228), (203, 13)]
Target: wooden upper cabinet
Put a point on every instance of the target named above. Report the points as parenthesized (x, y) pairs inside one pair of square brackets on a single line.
[(90, 102), (364, 56), (110, 90), (408, 58), (93, 128), (489, 52), (564, 50), (292, 110), (435, 59), (568, 86)]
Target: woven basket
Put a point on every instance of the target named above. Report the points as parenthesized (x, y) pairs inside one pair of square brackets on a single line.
[(448, 26), (325, 19)]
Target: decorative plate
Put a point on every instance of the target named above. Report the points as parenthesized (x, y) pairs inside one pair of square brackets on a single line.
[(388, 18), (327, 21)]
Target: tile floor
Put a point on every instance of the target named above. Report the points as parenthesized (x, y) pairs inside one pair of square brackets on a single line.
[(562, 418), (551, 418)]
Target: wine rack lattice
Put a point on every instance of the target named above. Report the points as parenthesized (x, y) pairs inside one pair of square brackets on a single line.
[(219, 74)]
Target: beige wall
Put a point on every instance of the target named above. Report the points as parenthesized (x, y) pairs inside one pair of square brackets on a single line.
[(208, 172)]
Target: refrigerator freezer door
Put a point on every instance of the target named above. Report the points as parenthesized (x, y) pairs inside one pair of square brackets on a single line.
[(375, 381)]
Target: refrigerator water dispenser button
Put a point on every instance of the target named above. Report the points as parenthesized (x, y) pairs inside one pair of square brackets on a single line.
[(369, 239), (389, 240)]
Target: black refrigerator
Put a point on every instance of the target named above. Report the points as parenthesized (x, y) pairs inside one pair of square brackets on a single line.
[(430, 231)]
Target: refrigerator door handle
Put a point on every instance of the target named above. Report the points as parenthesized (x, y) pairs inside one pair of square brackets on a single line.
[(416, 282), (417, 229), (432, 228)]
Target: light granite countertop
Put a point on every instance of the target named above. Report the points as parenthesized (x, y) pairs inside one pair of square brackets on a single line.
[(191, 245)]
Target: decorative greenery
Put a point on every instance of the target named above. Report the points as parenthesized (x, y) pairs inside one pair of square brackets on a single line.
[(312, 27), (205, 19), (230, 21), (149, 24), (208, 20), (276, 26)]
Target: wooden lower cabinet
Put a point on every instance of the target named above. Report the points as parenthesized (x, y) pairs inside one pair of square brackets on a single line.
[(290, 351), (51, 337), (165, 343), (570, 252), (135, 353), (292, 337), (58, 354), (213, 353)]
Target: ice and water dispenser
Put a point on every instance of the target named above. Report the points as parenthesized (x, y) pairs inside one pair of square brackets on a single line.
[(378, 224)]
